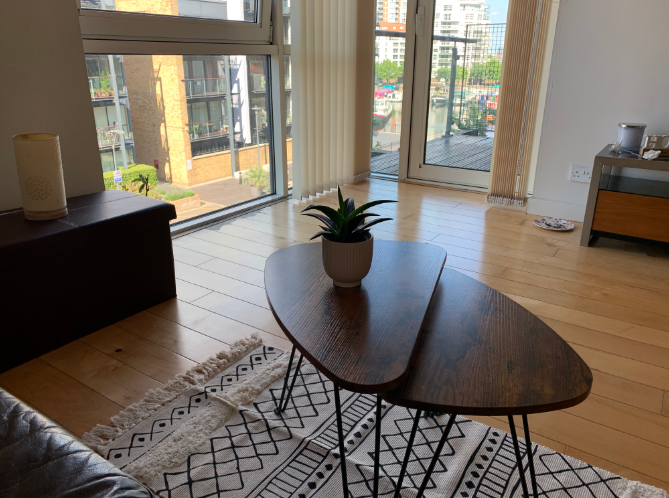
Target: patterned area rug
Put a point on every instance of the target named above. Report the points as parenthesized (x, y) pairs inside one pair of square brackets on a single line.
[(213, 432)]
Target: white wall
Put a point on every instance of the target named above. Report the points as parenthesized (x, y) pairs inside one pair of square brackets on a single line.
[(44, 88), (610, 63)]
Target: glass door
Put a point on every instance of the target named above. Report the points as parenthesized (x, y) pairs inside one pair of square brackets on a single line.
[(459, 52)]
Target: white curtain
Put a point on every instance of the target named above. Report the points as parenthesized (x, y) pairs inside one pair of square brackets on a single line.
[(323, 58)]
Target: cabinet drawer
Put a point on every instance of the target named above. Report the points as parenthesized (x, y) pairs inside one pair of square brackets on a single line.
[(633, 215)]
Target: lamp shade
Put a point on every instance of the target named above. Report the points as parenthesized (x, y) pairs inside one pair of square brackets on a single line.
[(40, 171)]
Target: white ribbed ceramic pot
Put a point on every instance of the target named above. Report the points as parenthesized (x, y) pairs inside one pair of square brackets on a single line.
[(40, 172), (347, 264)]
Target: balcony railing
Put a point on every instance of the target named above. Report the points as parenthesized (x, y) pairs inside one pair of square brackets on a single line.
[(109, 136), (204, 130), (101, 87), (204, 87)]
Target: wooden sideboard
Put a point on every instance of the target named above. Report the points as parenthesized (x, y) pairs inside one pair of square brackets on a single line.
[(624, 205)]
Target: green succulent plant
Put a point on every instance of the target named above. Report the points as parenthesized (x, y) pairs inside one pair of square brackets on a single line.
[(346, 224), (256, 177)]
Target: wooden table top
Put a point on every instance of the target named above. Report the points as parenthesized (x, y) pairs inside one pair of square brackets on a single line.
[(480, 353), (360, 338)]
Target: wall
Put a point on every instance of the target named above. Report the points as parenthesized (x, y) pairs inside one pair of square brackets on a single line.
[(44, 88), (609, 64)]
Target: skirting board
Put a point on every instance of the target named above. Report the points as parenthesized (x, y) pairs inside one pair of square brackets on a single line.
[(572, 212)]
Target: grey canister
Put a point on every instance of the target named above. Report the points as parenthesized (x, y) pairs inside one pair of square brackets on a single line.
[(630, 135)]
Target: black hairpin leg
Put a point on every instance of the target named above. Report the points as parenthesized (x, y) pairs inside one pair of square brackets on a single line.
[(292, 384), (377, 446), (519, 459), (278, 409), (342, 449), (436, 456), (530, 456), (407, 455)]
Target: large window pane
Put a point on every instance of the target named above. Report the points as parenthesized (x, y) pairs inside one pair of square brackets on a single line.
[(231, 10), (197, 125), (286, 22), (390, 49)]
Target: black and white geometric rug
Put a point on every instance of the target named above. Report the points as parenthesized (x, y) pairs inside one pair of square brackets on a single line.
[(221, 438)]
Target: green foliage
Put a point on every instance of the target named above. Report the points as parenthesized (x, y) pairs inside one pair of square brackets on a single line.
[(256, 177), (133, 171), (388, 70), (490, 71), (444, 73), (105, 84), (346, 224), (144, 183), (175, 195), (475, 119)]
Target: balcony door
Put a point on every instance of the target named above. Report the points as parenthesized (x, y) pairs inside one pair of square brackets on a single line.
[(456, 90)]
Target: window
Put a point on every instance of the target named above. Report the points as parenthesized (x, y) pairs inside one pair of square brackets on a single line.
[(469, 17), (447, 17), (448, 7), (436, 16), (232, 10), (202, 125)]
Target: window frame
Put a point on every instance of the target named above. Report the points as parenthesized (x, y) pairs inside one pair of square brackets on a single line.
[(122, 33), (118, 25)]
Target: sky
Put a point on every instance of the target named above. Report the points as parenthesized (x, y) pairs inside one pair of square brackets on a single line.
[(498, 10)]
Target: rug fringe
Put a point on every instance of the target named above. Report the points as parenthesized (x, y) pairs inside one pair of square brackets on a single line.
[(102, 435)]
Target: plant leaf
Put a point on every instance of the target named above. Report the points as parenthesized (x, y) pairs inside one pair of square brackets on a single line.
[(319, 234), (337, 218), (364, 207), (350, 206), (353, 223), (328, 222), (342, 209), (371, 223)]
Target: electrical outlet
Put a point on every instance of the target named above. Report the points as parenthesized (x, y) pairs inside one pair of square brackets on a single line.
[(581, 174)]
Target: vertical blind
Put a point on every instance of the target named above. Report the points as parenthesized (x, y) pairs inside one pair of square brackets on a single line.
[(323, 55), (524, 50)]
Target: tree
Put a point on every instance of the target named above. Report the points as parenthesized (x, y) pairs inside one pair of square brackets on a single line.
[(387, 70), (490, 70), (444, 73)]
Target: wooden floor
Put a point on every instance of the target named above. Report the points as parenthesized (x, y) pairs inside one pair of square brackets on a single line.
[(610, 301)]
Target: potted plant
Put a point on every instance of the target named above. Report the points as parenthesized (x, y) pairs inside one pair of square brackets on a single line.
[(256, 178), (348, 245)]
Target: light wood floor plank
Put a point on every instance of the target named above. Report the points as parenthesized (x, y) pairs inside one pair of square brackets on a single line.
[(624, 418), (627, 391), (225, 240), (242, 311), (233, 270), (220, 283), (602, 341), (68, 402), (221, 252), (111, 378), (189, 257), (536, 438), (147, 357), (170, 335), (189, 292), (229, 228)]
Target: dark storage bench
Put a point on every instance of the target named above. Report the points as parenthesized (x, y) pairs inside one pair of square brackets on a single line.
[(60, 280)]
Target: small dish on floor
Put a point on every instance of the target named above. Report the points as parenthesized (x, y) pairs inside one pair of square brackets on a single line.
[(558, 224)]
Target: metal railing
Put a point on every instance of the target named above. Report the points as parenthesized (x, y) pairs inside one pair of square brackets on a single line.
[(204, 87), (109, 136), (204, 130), (101, 87)]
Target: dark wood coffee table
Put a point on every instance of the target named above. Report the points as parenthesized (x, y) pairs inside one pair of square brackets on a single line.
[(360, 338), (480, 353)]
